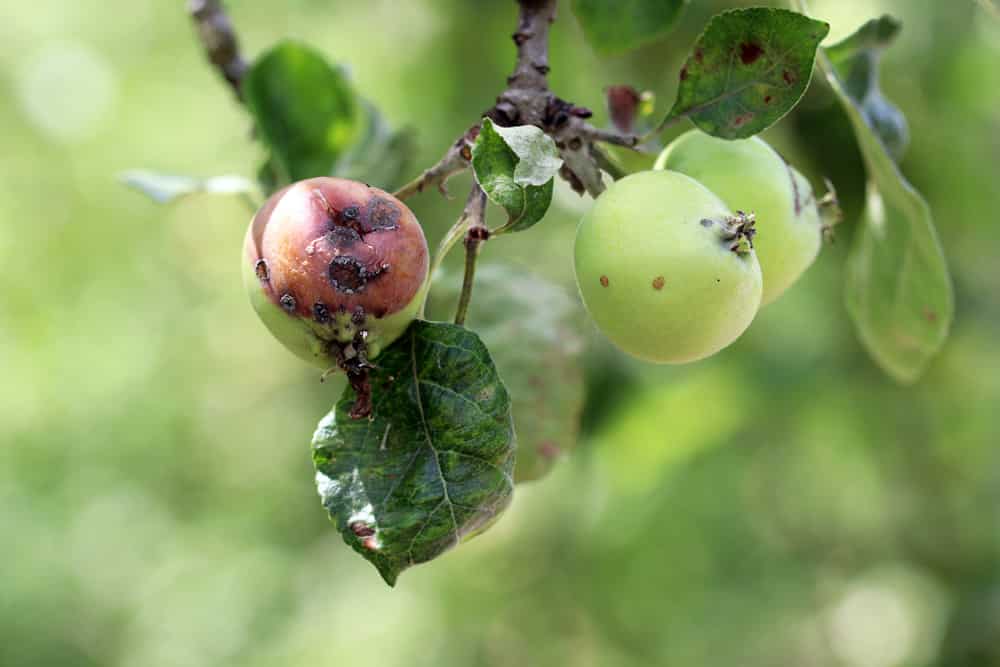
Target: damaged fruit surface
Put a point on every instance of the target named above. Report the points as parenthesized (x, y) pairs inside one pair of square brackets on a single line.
[(336, 270), (666, 271)]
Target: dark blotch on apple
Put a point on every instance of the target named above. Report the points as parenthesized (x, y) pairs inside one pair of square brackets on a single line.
[(336, 269)]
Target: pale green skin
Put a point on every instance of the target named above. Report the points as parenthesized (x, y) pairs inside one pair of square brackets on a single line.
[(748, 175), (310, 341), (647, 226)]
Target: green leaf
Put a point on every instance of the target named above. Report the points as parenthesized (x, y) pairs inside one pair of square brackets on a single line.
[(899, 291), (856, 61), (515, 166), (381, 156), (748, 69), (166, 188), (304, 109), (533, 329), (432, 465), (616, 27)]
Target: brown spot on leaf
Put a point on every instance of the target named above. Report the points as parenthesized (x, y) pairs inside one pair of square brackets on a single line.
[(789, 77), (930, 315), (362, 529), (659, 282), (742, 119), (604, 281), (684, 73), (767, 99), (699, 56), (750, 52)]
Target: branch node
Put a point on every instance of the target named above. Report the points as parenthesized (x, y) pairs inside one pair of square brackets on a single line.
[(219, 41)]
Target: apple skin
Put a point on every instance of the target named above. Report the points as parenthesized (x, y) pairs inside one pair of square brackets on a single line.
[(659, 272), (333, 267), (748, 175)]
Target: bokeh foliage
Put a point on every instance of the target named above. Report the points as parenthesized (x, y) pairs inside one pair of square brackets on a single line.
[(783, 503)]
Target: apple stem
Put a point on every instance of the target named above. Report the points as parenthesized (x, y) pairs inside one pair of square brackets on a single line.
[(476, 234)]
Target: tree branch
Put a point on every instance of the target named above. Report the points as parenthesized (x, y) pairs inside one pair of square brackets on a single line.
[(454, 161), (219, 39), (592, 133), (532, 40)]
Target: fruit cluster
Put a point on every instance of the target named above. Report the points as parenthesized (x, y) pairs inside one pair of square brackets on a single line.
[(673, 264)]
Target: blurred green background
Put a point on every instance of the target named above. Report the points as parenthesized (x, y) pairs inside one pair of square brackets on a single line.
[(780, 504)]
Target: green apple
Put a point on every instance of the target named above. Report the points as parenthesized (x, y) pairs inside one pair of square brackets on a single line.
[(748, 175), (665, 269)]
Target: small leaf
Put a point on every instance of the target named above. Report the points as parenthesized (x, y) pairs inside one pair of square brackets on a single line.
[(617, 27), (304, 109), (432, 465), (624, 107), (533, 329), (166, 188), (515, 167), (747, 70), (856, 61), (899, 291)]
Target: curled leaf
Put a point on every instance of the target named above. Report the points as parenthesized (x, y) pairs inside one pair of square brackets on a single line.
[(515, 167)]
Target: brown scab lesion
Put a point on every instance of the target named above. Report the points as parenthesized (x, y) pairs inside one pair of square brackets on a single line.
[(382, 215), (260, 268), (356, 220), (321, 313), (750, 52), (358, 316), (347, 274), (361, 529), (287, 302), (349, 215), (659, 282), (350, 276), (343, 237), (604, 281)]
